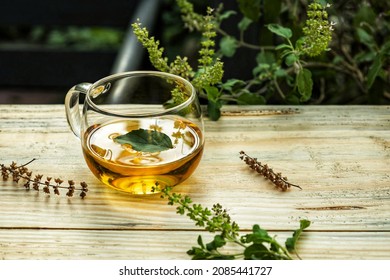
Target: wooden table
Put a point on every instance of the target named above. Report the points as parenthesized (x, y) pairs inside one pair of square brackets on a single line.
[(340, 156)]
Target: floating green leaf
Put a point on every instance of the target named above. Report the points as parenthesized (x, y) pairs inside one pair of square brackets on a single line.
[(144, 140)]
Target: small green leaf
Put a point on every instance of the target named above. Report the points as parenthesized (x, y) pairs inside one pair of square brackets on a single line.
[(256, 252), (231, 84), (260, 233), (214, 103), (260, 68), (217, 242), (227, 14), (374, 70), (248, 98), (200, 242), (280, 72), (212, 93), (364, 56), (291, 58), (285, 53), (144, 140), (274, 9), (338, 59), (292, 241), (292, 99), (258, 236), (228, 46), (364, 37), (214, 109), (280, 30), (250, 8), (198, 253), (244, 23), (283, 46), (365, 15), (299, 44), (265, 57), (305, 84), (385, 49)]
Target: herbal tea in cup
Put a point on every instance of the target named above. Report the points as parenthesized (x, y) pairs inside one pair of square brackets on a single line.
[(138, 130)]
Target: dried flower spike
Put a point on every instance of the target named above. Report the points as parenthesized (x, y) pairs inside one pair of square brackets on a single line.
[(18, 173), (263, 169)]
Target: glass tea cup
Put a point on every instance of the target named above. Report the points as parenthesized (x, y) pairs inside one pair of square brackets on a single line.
[(138, 129)]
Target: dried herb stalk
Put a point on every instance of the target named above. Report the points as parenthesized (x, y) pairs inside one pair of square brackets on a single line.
[(21, 173), (276, 178)]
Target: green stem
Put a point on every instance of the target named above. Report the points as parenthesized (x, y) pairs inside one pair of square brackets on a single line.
[(242, 43), (283, 249), (278, 88)]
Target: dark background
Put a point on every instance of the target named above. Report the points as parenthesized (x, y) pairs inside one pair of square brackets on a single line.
[(37, 65), (48, 46)]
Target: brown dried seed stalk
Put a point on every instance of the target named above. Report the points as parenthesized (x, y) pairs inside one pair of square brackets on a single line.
[(21, 172), (263, 169)]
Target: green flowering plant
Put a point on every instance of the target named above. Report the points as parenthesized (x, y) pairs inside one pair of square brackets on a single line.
[(317, 30), (317, 34), (210, 68), (256, 245), (281, 68), (301, 57)]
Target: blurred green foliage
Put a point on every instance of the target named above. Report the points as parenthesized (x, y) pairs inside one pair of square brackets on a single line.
[(72, 37), (355, 69), (84, 37)]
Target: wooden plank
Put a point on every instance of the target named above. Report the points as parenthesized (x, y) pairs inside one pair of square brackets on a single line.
[(338, 155), (152, 245)]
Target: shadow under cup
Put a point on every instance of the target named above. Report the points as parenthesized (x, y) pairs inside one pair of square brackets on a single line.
[(141, 130)]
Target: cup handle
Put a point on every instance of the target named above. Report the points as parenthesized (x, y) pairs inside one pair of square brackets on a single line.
[(72, 108)]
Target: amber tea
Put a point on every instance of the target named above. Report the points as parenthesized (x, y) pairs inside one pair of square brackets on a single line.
[(134, 155), (138, 129)]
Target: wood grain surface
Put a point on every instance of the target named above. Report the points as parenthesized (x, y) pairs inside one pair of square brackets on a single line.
[(339, 155)]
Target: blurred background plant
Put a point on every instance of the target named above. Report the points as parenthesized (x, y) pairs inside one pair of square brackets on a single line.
[(259, 42), (48, 46), (82, 38), (72, 37), (262, 45)]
